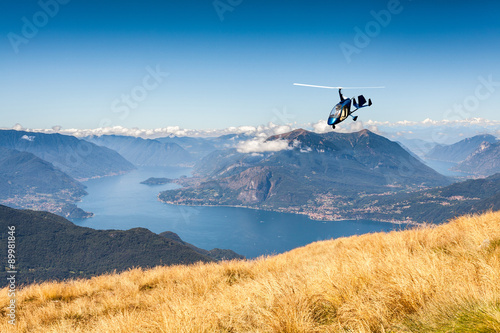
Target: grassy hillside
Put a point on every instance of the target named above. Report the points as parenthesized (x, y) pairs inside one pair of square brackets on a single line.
[(437, 279)]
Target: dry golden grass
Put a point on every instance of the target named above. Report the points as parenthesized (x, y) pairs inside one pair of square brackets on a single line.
[(433, 279)]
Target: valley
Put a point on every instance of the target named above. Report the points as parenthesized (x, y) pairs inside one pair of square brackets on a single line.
[(477, 156), (326, 177)]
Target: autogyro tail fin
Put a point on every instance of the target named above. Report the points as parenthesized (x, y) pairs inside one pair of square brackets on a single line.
[(361, 100)]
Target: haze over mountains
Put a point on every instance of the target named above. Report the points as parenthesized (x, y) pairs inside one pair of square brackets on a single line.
[(484, 161), (459, 151), (201, 147), (418, 147), (478, 155), (144, 152), (78, 158), (167, 151)]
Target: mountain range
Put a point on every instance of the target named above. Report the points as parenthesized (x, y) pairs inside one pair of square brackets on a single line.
[(27, 181), (40, 171), (79, 159), (50, 247), (484, 161), (459, 151), (324, 176), (418, 147), (434, 205), (144, 152), (21, 172), (313, 169), (201, 147)]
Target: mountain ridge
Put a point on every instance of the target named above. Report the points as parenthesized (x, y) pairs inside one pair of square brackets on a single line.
[(49, 247), (434, 205), (459, 151), (27, 181), (484, 161), (313, 168), (144, 152), (78, 158)]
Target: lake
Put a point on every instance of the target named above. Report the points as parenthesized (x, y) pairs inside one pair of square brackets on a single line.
[(444, 168), (121, 202)]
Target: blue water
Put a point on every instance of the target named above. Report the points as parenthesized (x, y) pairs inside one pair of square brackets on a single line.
[(444, 168), (121, 202)]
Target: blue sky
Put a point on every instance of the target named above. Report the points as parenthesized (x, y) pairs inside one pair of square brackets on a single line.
[(78, 68)]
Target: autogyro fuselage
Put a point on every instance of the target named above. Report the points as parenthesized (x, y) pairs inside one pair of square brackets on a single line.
[(342, 110)]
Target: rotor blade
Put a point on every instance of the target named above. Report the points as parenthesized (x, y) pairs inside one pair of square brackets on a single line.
[(326, 87), (310, 85), (381, 87)]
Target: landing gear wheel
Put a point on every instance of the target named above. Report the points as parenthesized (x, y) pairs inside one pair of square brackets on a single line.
[(355, 118), (333, 126)]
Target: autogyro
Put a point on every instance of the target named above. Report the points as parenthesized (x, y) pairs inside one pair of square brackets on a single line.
[(342, 110)]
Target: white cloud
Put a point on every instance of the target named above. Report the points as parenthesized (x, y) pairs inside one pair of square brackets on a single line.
[(259, 145), (321, 127), (429, 122), (18, 127), (345, 127), (442, 131), (28, 138), (263, 131), (354, 126)]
